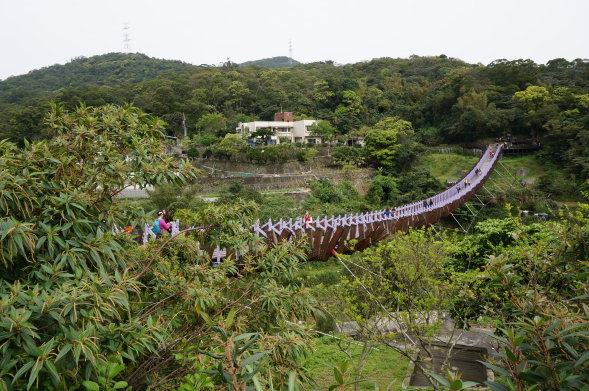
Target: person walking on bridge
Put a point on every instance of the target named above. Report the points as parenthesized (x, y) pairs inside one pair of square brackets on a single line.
[(160, 225), (167, 216), (308, 220)]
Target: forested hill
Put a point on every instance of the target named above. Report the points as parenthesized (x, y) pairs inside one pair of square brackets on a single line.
[(110, 69), (444, 99), (273, 62), (105, 70)]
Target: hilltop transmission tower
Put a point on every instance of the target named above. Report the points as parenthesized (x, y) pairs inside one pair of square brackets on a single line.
[(290, 52), (126, 38)]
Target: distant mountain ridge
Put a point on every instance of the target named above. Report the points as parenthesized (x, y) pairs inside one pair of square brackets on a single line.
[(273, 62), (110, 69)]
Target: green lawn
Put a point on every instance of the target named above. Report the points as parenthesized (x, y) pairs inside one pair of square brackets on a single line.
[(509, 171), (517, 166), (384, 366), (448, 165), (444, 166)]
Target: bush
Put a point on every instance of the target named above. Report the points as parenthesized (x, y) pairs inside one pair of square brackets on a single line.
[(306, 155), (269, 154), (383, 190), (325, 191), (192, 152), (237, 191), (278, 206), (429, 136), (207, 153), (558, 186), (204, 140), (417, 184), (344, 155), (328, 198), (229, 146), (66, 291)]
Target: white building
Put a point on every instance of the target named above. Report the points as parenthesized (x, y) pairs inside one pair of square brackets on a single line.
[(294, 131)]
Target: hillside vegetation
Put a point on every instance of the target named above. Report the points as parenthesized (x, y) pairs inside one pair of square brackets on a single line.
[(83, 305), (443, 99), (111, 70), (272, 63)]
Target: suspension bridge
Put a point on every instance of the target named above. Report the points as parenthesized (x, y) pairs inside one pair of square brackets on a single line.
[(358, 231)]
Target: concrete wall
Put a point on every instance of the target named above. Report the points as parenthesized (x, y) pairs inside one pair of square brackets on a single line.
[(359, 179), (226, 167), (301, 134)]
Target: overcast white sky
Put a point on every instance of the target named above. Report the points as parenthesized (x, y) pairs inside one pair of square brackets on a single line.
[(39, 33)]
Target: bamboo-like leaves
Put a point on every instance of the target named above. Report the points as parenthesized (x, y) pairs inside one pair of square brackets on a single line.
[(63, 284)]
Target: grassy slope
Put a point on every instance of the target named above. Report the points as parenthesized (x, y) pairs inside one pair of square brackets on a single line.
[(385, 367), (511, 165), (446, 166)]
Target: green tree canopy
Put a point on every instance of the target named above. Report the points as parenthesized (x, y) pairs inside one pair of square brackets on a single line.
[(82, 304), (385, 140), (230, 145), (64, 283), (214, 123), (532, 98), (264, 134), (324, 130)]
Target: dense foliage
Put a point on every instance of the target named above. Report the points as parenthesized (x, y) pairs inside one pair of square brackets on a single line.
[(65, 289), (81, 305), (529, 280), (272, 63), (444, 99)]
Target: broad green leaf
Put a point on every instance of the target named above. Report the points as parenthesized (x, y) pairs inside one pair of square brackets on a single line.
[(338, 376), (229, 319), (243, 336), (22, 371), (496, 386), (90, 385), (292, 381), (441, 379), (53, 372), (120, 384), (34, 373), (584, 357), (66, 348), (510, 355), (251, 359), (495, 368)]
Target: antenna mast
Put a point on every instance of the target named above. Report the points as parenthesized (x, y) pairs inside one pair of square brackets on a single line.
[(290, 52), (126, 38)]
